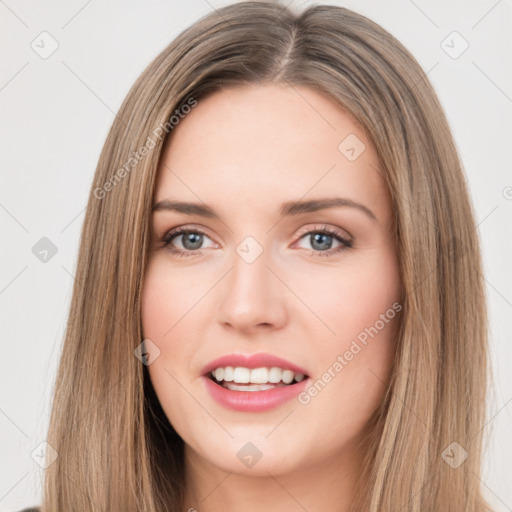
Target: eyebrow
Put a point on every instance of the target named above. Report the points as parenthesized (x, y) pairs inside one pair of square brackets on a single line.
[(289, 208)]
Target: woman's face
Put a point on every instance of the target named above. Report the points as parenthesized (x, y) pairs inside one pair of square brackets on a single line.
[(262, 277)]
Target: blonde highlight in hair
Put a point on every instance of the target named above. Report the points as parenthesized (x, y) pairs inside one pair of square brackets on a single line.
[(116, 448)]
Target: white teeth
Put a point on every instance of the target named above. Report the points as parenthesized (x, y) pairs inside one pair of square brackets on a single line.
[(287, 376), (275, 375), (228, 373), (259, 375), (241, 375), (219, 374)]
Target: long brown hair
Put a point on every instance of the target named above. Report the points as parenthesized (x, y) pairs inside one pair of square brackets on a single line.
[(116, 449)]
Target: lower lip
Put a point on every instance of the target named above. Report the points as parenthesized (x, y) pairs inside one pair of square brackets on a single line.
[(253, 401)]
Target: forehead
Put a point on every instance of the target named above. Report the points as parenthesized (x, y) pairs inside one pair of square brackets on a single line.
[(245, 145)]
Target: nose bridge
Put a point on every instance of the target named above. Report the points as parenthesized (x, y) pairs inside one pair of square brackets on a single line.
[(250, 262), (250, 295)]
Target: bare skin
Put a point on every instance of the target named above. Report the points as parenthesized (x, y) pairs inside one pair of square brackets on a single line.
[(305, 298)]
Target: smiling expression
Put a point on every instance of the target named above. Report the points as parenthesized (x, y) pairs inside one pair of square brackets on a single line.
[(252, 271)]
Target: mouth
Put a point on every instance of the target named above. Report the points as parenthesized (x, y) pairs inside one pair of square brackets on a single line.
[(254, 379), (253, 383)]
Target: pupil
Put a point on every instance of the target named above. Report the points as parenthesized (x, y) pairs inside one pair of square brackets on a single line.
[(190, 238), (318, 236)]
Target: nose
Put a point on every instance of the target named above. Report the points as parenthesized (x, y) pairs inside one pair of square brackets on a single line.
[(252, 297)]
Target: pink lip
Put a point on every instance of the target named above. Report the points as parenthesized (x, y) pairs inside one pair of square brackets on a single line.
[(252, 401), (252, 361)]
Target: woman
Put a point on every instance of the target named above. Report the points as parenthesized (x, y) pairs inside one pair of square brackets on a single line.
[(279, 300)]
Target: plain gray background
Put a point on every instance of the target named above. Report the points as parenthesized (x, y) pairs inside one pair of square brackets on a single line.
[(56, 112)]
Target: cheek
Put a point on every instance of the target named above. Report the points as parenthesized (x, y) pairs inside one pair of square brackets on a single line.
[(354, 364), (167, 313), (352, 299), (167, 296), (166, 300), (350, 385)]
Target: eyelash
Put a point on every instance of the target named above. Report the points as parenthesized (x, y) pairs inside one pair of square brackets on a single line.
[(169, 237)]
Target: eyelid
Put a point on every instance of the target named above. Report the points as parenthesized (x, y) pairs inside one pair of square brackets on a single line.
[(187, 228), (342, 233)]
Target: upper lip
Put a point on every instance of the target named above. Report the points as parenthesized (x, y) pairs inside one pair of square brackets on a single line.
[(252, 361)]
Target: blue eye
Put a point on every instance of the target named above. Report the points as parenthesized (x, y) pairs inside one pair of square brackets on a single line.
[(324, 237), (193, 238)]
